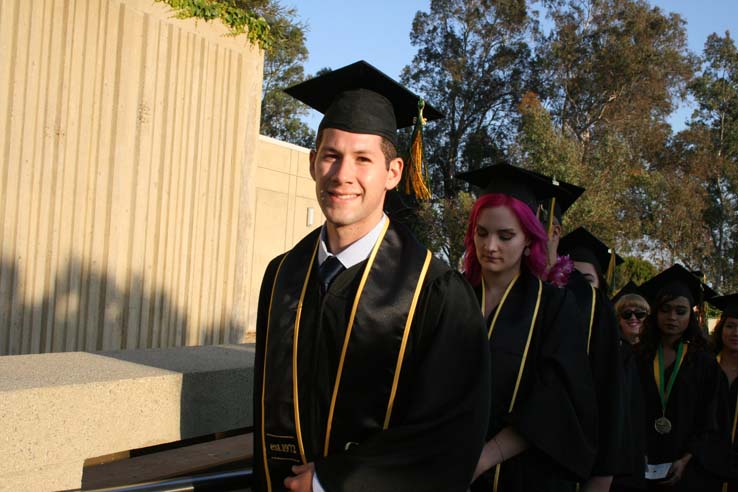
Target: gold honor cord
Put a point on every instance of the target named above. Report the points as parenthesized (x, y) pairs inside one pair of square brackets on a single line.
[(591, 317), (263, 378), (499, 307), (359, 291), (498, 468), (295, 392), (405, 336)]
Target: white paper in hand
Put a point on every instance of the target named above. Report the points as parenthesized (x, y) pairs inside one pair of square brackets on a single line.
[(657, 472)]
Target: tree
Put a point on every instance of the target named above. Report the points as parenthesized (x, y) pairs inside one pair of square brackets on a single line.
[(442, 226), (612, 63), (705, 155), (283, 67), (471, 63), (611, 71), (633, 268)]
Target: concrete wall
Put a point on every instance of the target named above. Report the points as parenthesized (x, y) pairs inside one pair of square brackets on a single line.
[(59, 409), (285, 199), (127, 192)]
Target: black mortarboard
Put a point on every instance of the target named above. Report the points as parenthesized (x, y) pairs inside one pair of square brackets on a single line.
[(358, 98), (527, 186), (565, 196), (582, 245), (677, 281), (629, 288), (727, 304)]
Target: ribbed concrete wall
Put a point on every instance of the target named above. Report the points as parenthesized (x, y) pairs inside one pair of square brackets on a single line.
[(126, 190)]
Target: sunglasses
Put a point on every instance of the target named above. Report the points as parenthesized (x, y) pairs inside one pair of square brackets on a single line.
[(638, 314)]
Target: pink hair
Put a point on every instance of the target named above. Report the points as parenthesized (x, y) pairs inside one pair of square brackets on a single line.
[(535, 262)]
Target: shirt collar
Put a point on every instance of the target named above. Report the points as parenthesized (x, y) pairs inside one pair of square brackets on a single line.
[(357, 252)]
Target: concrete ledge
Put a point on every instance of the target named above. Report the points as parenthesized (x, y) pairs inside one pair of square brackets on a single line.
[(57, 410)]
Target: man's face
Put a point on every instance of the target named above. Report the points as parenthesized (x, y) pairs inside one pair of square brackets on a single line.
[(351, 178)]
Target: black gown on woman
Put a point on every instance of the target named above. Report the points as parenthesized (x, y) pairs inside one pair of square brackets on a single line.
[(554, 407), (698, 413)]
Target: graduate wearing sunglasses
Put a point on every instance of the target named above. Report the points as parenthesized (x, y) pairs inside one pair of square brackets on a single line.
[(632, 310)]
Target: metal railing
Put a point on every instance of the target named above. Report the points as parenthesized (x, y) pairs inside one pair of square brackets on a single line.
[(235, 478)]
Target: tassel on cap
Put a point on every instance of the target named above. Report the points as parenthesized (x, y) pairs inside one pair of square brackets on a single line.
[(551, 211), (415, 175), (610, 277)]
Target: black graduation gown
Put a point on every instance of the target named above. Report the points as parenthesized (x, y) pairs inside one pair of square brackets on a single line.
[(732, 484), (614, 452), (441, 409), (698, 414), (555, 406), (635, 431), (721, 459)]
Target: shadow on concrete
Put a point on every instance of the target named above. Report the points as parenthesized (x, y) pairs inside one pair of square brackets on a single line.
[(86, 310)]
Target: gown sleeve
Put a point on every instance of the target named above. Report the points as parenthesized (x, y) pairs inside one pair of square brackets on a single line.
[(556, 413), (437, 431)]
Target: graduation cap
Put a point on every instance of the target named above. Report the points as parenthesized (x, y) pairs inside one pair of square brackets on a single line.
[(727, 304), (628, 288), (582, 245), (527, 186), (358, 98), (677, 281), (558, 203)]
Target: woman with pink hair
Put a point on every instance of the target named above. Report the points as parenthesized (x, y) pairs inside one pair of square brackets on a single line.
[(543, 424)]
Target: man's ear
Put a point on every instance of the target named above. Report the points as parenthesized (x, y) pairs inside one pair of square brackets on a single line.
[(313, 155), (394, 173), (556, 231)]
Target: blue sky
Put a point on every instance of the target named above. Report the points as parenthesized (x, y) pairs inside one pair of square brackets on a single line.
[(343, 31)]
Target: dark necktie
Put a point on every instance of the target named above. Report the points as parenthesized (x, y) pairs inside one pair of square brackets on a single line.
[(327, 271)]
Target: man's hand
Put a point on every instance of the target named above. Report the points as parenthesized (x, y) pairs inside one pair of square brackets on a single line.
[(303, 479)]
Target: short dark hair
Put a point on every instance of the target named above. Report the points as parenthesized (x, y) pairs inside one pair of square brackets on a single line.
[(388, 148)]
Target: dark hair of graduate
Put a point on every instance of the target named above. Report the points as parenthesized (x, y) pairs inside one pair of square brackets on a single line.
[(716, 339), (535, 261), (652, 335)]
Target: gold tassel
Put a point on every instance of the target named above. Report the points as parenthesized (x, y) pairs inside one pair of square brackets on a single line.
[(415, 175), (551, 217), (611, 269)]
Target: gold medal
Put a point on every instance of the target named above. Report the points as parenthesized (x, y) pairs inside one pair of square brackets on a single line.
[(662, 425)]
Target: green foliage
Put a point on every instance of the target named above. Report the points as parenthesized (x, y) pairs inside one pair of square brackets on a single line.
[(442, 225), (236, 15), (702, 168), (633, 268), (283, 67), (471, 62)]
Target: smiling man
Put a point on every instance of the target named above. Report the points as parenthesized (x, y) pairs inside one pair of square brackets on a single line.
[(371, 362)]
